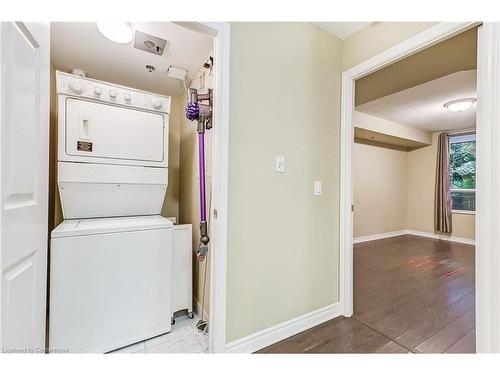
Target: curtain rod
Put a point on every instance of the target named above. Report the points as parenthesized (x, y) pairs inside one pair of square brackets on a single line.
[(463, 131)]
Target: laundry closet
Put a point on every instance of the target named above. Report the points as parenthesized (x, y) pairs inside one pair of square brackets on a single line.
[(124, 199)]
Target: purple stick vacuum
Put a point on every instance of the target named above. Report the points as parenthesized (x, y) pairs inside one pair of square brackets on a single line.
[(203, 114)]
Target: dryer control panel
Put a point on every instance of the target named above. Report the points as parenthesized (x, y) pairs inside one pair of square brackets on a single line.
[(72, 85)]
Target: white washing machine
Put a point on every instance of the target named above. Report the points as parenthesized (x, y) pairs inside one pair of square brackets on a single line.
[(111, 257)]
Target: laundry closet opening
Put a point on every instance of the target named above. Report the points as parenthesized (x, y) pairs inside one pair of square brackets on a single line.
[(129, 205)]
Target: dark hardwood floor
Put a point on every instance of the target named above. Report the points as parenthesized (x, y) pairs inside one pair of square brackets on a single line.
[(411, 295)]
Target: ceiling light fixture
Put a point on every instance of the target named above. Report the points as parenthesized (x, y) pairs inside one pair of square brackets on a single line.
[(460, 105), (118, 32)]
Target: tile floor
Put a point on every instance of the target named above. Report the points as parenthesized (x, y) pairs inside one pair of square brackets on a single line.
[(184, 338)]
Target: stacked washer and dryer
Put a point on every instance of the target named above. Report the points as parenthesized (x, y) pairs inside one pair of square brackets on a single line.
[(111, 257)]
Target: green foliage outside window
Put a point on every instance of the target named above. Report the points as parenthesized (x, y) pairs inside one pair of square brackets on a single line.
[(463, 165)]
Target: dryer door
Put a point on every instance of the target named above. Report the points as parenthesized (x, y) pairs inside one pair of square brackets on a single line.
[(103, 133)]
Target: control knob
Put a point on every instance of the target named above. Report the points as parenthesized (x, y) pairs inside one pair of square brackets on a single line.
[(97, 90), (76, 87), (127, 97)]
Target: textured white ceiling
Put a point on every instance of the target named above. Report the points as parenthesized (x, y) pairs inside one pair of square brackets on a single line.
[(80, 45), (341, 30), (422, 106)]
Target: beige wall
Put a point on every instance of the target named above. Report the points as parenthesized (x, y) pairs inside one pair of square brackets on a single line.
[(394, 190), (421, 163), (189, 191), (377, 38), (283, 242), (357, 48), (453, 55), (421, 183), (55, 211), (379, 184), (172, 201)]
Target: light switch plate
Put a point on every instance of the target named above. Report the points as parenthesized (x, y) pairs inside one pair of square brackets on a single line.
[(280, 164), (317, 187)]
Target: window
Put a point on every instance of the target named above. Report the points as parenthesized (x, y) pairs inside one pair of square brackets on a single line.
[(463, 172)]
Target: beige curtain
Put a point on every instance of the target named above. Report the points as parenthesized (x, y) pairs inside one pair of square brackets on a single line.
[(442, 209)]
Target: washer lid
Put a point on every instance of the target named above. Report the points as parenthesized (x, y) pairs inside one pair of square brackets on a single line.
[(81, 227)]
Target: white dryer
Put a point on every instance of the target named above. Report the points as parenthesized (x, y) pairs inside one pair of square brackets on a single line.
[(110, 276)]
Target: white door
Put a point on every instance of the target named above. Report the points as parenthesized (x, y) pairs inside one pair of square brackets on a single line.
[(24, 142)]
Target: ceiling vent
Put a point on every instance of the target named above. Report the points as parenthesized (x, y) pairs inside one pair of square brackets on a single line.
[(149, 43)]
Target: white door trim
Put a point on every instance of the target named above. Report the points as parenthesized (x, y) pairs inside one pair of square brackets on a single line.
[(218, 230), (427, 38), (488, 185)]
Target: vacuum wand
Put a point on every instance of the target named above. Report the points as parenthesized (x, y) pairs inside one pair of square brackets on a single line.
[(204, 239), (203, 114)]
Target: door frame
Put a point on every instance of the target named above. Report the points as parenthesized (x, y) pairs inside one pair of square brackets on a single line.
[(487, 187), (488, 140), (220, 168)]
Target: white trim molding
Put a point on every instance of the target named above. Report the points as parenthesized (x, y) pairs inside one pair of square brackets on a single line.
[(488, 190), (220, 179), (272, 335), (463, 212), (444, 237), (346, 195), (379, 236), (425, 39), (220, 183), (436, 236)]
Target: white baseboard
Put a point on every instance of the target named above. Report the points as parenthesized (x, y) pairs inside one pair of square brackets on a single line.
[(197, 310), (444, 237), (379, 236), (436, 236), (269, 336)]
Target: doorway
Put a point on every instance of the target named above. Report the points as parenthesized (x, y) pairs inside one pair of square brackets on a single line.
[(220, 33), (484, 281), (414, 277), (172, 60)]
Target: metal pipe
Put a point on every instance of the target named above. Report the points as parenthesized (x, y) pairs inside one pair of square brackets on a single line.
[(201, 166)]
